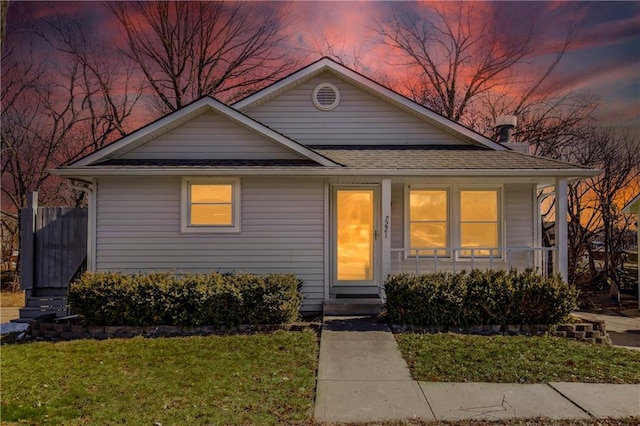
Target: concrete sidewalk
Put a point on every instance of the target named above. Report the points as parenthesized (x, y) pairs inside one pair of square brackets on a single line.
[(362, 377), (6, 315)]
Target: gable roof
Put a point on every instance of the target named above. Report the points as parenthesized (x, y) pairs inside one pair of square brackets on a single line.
[(633, 206), (188, 112), (340, 71)]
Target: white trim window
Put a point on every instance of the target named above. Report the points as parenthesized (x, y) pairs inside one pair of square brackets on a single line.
[(476, 212), (210, 205), (479, 225), (428, 221)]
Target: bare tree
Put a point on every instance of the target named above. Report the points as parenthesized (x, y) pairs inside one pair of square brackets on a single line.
[(330, 42), (4, 5), (37, 120), (595, 204), (53, 113), (617, 153), (453, 60), (190, 49), (106, 89)]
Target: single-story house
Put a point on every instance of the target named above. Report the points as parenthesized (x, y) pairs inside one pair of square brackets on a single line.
[(325, 174), (633, 207)]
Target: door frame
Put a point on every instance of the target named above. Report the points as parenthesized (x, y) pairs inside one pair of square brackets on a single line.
[(354, 286)]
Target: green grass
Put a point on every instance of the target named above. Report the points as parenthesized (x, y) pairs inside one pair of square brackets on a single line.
[(515, 359), (243, 379)]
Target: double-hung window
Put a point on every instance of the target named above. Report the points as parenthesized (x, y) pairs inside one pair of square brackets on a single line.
[(210, 205), (428, 222), (479, 222), (430, 232)]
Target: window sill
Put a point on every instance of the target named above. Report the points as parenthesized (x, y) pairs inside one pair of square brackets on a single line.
[(210, 230)]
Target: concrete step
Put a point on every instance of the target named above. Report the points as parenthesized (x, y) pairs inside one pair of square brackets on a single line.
[(50, 292), (40, 302), (352, 306), (31, 312)]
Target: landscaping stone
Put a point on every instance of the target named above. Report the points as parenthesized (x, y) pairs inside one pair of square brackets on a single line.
[(50, 334), (578, 335), (584, 327), (67, 331)]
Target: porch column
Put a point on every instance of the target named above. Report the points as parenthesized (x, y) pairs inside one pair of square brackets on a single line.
[(385, 199), (562, 251)]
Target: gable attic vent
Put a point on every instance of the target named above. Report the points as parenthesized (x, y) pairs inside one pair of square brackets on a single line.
[(326, 96)]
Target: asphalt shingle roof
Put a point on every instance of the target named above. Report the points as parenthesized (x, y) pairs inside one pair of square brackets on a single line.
[(437, 158), (391, 157), (206, 163)]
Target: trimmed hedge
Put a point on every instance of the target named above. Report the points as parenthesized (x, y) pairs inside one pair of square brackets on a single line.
[(229, 300), (478, 298)]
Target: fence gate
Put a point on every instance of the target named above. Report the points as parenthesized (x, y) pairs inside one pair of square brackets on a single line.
[(53, 251)]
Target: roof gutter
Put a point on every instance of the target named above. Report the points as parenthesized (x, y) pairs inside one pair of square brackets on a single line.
[(88, 172)]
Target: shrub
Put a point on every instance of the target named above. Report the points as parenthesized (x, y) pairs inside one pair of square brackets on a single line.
[(478, 298), (111, 298)]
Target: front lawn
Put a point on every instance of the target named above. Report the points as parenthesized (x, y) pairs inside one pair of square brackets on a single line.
[(515, 359), (243, 379)]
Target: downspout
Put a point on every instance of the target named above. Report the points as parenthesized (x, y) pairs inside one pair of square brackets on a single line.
[(89, 189)]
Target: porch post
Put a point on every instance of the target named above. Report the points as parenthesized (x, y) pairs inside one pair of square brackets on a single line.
[(562, 251), (28, 228), (385, 200), (327, 239)]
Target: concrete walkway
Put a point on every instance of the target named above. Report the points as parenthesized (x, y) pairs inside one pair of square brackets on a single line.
[(9, 313), (6, 315), (362, 377)]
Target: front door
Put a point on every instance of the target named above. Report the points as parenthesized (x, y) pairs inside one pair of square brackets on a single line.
[(355, 236)]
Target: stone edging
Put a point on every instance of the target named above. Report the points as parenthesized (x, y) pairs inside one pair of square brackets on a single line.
[(584, 331), (56, 332)]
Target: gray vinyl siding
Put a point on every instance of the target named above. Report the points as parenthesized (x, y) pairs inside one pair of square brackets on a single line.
[(518, 213), (210, 136), (360, 118), (282, 230), (517, 218)]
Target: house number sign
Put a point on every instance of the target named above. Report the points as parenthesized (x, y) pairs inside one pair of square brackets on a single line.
[(386, 226)]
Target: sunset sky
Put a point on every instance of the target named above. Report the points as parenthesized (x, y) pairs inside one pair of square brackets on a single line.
[(604, 58)]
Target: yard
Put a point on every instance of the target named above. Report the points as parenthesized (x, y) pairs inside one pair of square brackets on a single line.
[(259, 378), (515, 359), (11, 299), (242, 379)]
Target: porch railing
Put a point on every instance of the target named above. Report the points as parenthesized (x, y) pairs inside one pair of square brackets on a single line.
[(451, 258)]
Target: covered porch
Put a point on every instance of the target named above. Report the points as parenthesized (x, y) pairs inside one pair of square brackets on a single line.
[(380, 226)]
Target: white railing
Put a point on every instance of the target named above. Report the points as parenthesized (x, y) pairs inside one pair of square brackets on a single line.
[(454, 258)]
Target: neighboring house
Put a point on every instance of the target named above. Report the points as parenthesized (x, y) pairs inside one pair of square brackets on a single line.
[(634, 208), (325, 174)]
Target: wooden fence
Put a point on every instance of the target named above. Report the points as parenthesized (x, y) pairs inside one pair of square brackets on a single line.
[(53, 247)]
